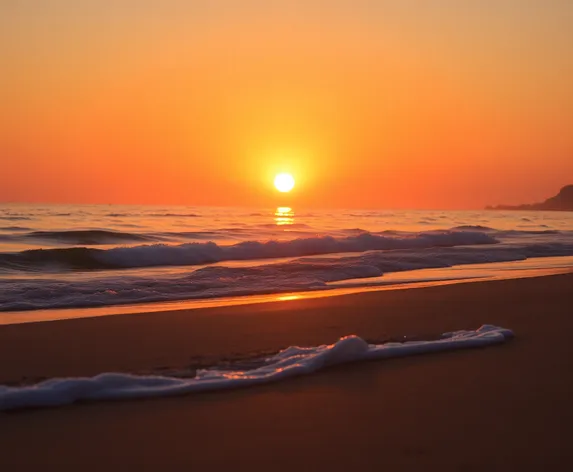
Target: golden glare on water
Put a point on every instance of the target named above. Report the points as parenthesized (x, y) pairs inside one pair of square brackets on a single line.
[(284, 216), (284, 182), (288, 297)]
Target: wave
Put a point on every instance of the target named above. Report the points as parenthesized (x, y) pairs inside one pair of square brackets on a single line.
[(290, 362), (473, 228), (153, 215), (15, 218), (374, 214), (173, 215), (88, 237), (14, 228), (206, 253), (285, 226), (215, 281), (95, 237), (507, 232), (515, 232), (91, 237)]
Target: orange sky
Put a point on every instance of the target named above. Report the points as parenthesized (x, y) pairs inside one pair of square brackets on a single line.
[(373, 104)]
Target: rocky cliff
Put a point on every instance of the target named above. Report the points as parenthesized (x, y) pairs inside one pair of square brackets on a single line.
[(563, 201)]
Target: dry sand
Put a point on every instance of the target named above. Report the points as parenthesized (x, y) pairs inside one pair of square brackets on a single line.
[(501, 408)]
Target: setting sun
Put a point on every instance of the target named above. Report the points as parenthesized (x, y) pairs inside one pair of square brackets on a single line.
[(284, 182)]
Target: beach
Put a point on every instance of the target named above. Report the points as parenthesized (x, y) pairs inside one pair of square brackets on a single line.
[(505, 407), (286, 236)]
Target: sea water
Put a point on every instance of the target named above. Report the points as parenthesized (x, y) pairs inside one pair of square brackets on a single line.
[(82, 256)]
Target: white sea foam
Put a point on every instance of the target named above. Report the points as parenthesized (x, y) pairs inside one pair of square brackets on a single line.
[(304, 274), (201, 253), (293, 361), (196, 253)]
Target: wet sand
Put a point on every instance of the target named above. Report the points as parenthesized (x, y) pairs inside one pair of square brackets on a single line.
[(500, 408)]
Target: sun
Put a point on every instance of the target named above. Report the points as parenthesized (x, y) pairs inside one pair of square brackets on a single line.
[(284, 182)]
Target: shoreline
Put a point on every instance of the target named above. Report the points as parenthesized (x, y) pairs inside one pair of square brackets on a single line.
[(414, 279), (160, 342), (499, 408)]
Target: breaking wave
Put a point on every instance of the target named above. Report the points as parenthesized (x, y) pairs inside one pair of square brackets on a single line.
[(205, 253), (302, 274)]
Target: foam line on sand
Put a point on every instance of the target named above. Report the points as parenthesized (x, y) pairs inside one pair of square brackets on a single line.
[(290, 362)]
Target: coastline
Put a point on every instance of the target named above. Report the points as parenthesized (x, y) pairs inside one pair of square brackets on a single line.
[(165, 341), (501, 408), (411, 279)]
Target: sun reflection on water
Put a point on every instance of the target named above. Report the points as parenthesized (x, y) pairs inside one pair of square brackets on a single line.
[(289, 297), (284, 216)]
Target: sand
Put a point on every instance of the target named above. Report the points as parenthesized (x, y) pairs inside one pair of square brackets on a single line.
[(499, 408)]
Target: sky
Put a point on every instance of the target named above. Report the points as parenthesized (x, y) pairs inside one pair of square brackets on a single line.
[(368, 103)]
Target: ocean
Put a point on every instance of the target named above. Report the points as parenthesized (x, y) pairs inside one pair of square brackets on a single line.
[(87, 256)]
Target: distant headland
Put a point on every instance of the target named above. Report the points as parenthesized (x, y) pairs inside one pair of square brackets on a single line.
[(563, 201)]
